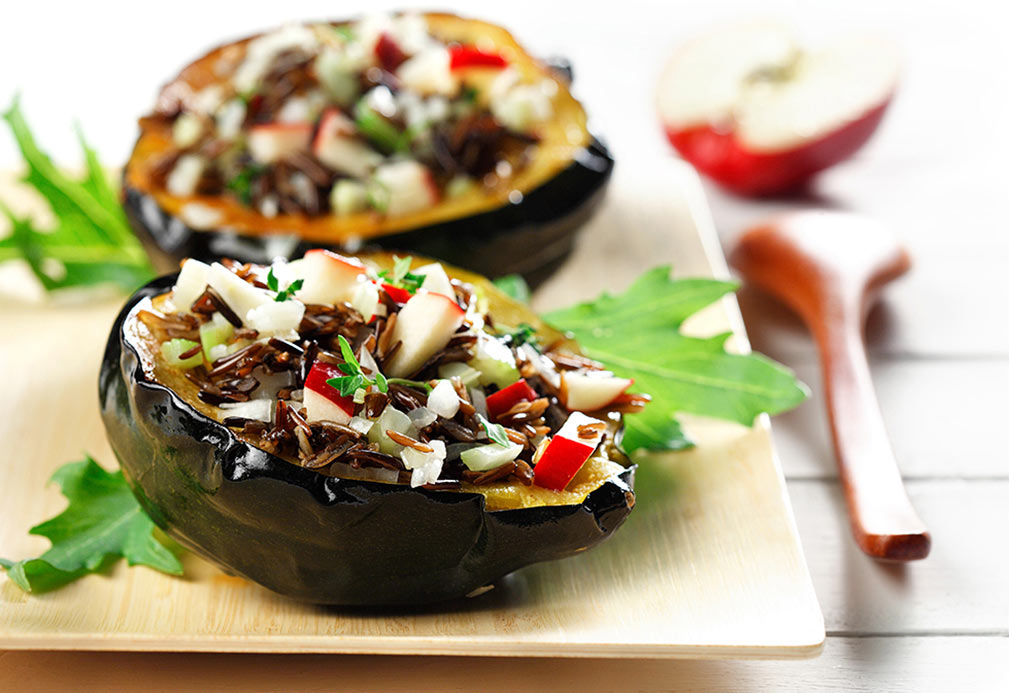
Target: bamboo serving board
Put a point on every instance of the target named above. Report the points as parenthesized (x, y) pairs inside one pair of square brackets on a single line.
[(708, 565)]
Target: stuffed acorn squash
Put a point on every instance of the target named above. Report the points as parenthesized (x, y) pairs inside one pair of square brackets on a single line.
[(430, 133), (369, 430)]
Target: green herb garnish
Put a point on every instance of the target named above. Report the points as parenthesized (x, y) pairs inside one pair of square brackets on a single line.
[(241, 183), (103, 522), (523, 334), (636, 334), (344, 32), (400, 275), (416, 384), (355, 379), (90, 242), (282, 294), (469, 94), (495, 432)]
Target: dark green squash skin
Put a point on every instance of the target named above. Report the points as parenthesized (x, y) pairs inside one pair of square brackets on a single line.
[(529, 237), (312, 537)]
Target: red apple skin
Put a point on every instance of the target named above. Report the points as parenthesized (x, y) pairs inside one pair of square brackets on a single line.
[(503, 400), (720, 156), (390, 56), (560, 462), (316, 382), (396, 293)]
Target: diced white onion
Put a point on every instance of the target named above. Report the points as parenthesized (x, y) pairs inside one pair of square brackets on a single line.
[(487, 457), (361, 424), (186, 174), (229, 119), (426, 466), (279, 318), (422, 417), (443, 400), (255, 409)]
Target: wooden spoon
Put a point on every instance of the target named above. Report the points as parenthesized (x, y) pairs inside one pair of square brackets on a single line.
[(829, 267)]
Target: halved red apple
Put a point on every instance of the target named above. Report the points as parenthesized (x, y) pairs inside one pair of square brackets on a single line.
[(424, 326), (759, 114), (591, 390), (329, 277), (272, 142), (323, 402)]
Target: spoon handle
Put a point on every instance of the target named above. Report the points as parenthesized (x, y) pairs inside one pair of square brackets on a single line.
[(884, 523)]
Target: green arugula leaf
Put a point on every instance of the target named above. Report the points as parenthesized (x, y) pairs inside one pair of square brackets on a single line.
[(102, 523), (91, 241), (515, 286), (636, 334), (495, 432)]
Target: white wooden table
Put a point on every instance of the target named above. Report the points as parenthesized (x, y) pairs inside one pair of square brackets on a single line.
[(939, 344)]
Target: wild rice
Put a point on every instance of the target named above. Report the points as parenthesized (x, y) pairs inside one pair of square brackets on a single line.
[(407, 441)]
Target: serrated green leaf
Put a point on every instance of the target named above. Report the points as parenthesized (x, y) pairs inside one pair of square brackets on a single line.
[(91, 241), (102, 522), (636, 334)]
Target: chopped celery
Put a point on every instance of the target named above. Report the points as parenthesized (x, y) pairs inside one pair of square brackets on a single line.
[(376, 128), (215, 333), (495, 361), (348, 197), (390, 419), (469, 376), (174, 348), (487, 457)]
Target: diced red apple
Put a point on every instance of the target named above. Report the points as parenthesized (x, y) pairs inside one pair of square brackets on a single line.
[(272, 142), (336, 146), (408, 185), (503, 400), (568, 451), (750, 108), (388, 53), (435, 279), (461, 56), (591, 390), (397, 293), (424, 326), (323, 402), (329, 278)]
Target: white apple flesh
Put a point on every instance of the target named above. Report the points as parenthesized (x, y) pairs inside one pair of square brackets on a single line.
[(752, 109), (591, 390), (409, 187), (273, 142), (241, 296), (435, 279), (323, 402), (329, 278), (424, 326), (336, 146)]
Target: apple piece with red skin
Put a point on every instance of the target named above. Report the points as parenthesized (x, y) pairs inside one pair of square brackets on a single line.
[(424, 326), (503, 400), (329, 278), (591, 390), (339, 150), (463, 56), (272, 142), (397, 293), (567, 451), (409, 186), (388, 53), (323, 402), (748, 107)]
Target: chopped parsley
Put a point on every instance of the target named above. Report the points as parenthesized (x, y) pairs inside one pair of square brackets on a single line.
[(400, 275), (282, 294), (495, 432), (355, 379)]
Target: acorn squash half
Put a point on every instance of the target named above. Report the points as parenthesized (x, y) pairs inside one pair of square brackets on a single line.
[(325, 539), (526, 226)]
